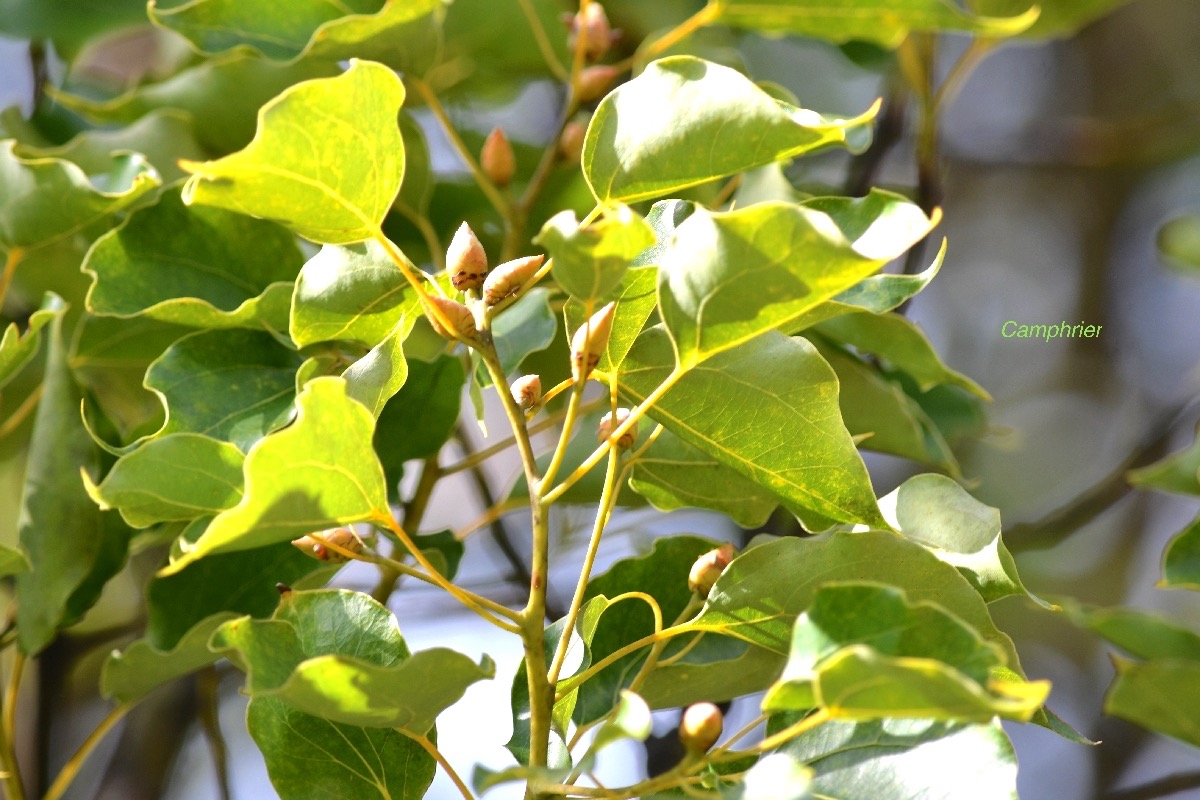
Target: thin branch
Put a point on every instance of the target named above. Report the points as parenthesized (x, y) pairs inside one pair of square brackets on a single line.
[(10, 268), (543, 41), (208, 699), (431, 748), (10, 776), (1160, 787), (71, 769)]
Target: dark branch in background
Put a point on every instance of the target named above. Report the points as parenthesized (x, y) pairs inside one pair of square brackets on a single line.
[(41, 73), (208, 704), (1163, 787), (414, 510), (865, 167), (1056, 526), (520, 576)]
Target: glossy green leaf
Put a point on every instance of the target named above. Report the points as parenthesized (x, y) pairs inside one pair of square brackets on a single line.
[(672, 474), (1139, 633), (339, 655), (1181, 559), (729, 276), (353, 293), (327, 159), (318, 473), (664, 218), (222, 95), (308, 756), (684, 121), (936, 512), (176, 477), (886, 22), (525, 327), (131, 674), (636, 299), (377, 376), (1159, 695), (44, 200), (198, 266), (784, 431), (901, 344), (17, 349), (1178, 472), (906, 759), (421, 417), (1057, 18), (590, 262), (233, 385)]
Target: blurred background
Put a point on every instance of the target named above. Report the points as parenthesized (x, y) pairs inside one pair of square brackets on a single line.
[(1060, 162)]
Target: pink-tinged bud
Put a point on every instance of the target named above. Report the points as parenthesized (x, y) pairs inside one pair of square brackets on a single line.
[(593, 22), (588, 343), (497, 159), (701, 727), (315, 545), (461, 320), (594, 82), (708, 568), (466, 262), (509, 277), (609, 423), (527, 391), (570, 141)]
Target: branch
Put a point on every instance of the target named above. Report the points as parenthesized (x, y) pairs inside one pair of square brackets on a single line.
[(1162, 787)]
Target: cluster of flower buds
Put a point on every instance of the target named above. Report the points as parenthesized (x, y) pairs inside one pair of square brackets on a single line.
[(497, 160), (708, 568), (315, 545), (527, 391), (590, 23), (466, 261), (588, 343), (609, 423), (700, 728)]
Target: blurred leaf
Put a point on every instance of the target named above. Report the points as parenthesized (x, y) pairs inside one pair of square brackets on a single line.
[(12, 561), (339, 655), (420, 418), (139, 669), (17, 350), (1181, 559), (494, 55), (308, 756), (197, 266), (1178, 472), (353, 293), (443, 550), (176, 477), (335, 183), (234, 385), (684, 121), (419, 180), (1058, 18), (68, 22), (1179, 242), (377, 376), (787, 433), (318, 473), (1159, 695), (886, 22), (222, 95), (590, 262), (914, 759), (1139, 633)]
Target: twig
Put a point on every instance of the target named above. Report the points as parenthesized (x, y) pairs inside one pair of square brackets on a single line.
[(208, 700), (72, 767), (1160, 787)]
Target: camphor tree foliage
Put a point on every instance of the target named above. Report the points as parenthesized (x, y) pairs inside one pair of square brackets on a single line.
[(260, 240)]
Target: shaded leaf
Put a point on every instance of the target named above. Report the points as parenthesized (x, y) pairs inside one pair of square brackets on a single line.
[(1179, 472), (1159, 695), (1139, 633), (12, 561), (377, 376), (590, 262), (67, 22), (1181, 559), (131, 674), (1057, 18), (17, 350)]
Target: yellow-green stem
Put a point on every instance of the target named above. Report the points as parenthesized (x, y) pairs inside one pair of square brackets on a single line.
[(432, 749), (10, 268), (560, 450), (543, 41), (577, 680), (71, 769), (13, 787)]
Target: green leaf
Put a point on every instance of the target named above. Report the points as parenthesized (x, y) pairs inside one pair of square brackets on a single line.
[(557, 756), (16, 350), (776, 776), (1058, 18), (419, 180), (885, 22), (68, 22), (636, 299), (1159, 695), (672, 474), (233, 385), (176, 477), (1178, 472), (335, 180), (912, 758), (940, 515), (684, 121), (12, 561), (405, 34), (339, 655), (444, 550), (353, 293), (222, 96), (729, 276), (45, 200), (318, 473), (1139, 633), (899, 342), (590, 262), (197, 266), (1181, 559), (312, 757), (1179, 242), (421, 417), (139, 669), (377, 376), (786, 435), (526, 327)]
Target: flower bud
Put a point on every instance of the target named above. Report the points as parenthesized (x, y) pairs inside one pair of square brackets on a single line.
[(589, 342), (508, 278), (314, 544), (701, 727), (527, 391), (570, 141), (497, 159), (466, 262), (595, 81), (708, 568), (459, 316), (599, 36), (609, 423)]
